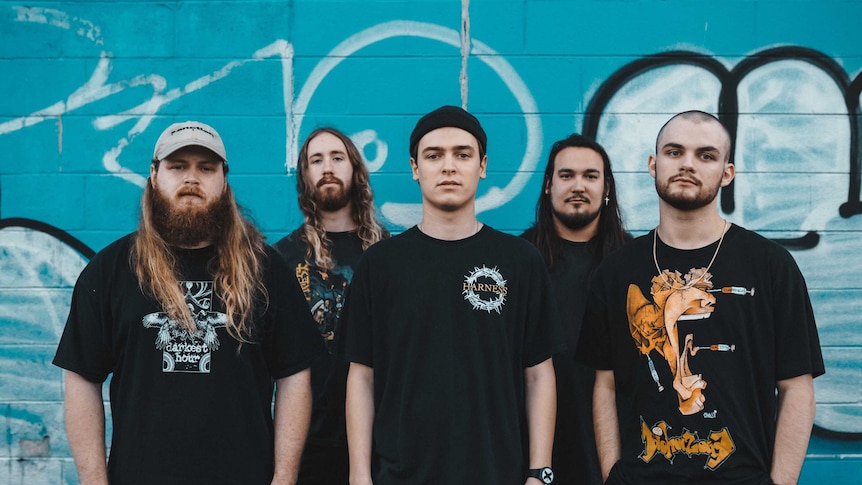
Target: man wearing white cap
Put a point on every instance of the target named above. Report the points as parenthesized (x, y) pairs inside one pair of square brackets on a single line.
[(196, 318)]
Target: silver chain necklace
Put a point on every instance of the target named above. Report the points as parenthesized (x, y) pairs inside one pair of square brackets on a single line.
[(702, 275)]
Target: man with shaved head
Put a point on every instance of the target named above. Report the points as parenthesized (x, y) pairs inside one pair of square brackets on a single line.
[(702, 334)]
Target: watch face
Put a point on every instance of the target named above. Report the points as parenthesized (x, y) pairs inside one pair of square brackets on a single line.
[(547, 476)]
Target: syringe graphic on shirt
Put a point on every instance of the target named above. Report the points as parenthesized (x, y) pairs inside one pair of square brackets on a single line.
[(718, 348), (654, 374), (693, 350), (733, 290)]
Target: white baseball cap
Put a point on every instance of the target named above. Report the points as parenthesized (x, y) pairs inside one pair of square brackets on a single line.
[(189, 133)]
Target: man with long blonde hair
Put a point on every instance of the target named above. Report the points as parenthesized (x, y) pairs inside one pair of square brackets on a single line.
[(196, 320), (340, 223)]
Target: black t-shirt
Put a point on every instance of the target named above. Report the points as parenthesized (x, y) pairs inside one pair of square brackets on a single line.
[(185, 408), (449, 327), (575, 461), (324, 291), (727, 337)]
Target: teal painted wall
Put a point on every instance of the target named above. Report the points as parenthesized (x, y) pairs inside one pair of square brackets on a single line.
[(88, 86)]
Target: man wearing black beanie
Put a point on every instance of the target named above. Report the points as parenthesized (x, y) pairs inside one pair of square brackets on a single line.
[(449, 330)]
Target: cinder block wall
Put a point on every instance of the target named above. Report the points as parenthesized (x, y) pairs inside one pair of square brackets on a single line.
[(88, 86)]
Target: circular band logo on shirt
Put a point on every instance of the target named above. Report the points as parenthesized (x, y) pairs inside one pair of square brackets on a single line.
[(485, 289)]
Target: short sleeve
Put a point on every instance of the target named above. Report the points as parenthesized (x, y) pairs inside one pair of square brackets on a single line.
[(85, 346), (544, 333), (291, 340), (356, 331), (797, 343)]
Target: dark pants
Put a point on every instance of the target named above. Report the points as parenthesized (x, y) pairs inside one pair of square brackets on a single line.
[(323, 465)]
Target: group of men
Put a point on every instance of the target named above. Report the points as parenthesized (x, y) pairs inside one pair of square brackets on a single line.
[(451, 353)]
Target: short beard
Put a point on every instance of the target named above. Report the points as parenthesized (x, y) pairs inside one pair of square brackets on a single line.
[(683, 202), (331, 200), (578, 220), (189, 226)]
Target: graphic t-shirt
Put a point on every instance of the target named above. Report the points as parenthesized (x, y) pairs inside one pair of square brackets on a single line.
[(325, 292), (575, 461), (696, 354), (448, 328), (186, 407)]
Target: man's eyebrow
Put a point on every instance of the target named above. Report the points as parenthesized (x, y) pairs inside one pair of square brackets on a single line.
[(453, 148), (185, 161), (708, 148), (331, 152)]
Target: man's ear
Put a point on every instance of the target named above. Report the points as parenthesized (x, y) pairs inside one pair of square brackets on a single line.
[(729, 174), (651, 165), (153, 172), (483, 166), (414, 167)]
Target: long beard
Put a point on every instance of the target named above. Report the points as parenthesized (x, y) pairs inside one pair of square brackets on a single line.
[(331, 200), (577, 220), (191, 225)]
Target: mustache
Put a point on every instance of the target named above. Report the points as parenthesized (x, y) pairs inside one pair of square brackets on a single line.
[(190, 191), (580, 197), (685, 178), (329, 180)]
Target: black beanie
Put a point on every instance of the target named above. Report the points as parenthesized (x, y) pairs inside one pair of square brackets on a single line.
[(448, 116)]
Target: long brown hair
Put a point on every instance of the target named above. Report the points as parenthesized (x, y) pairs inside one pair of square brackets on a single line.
[(370, 230), (237, 267)]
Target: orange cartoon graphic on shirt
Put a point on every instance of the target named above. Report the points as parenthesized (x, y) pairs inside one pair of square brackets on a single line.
[(654, 326)]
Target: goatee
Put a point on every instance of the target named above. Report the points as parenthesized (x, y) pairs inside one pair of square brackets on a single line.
[(189, 226), (329, 199), (578, 220), (684, 202)]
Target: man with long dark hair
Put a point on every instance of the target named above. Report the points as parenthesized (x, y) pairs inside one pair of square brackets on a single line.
[(196, 318), (337, 202), (577, 223)]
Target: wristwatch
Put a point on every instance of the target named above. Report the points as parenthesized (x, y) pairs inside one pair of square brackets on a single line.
[(545, 474)]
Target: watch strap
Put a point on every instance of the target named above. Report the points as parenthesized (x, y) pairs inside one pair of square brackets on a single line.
[(544, 474)]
